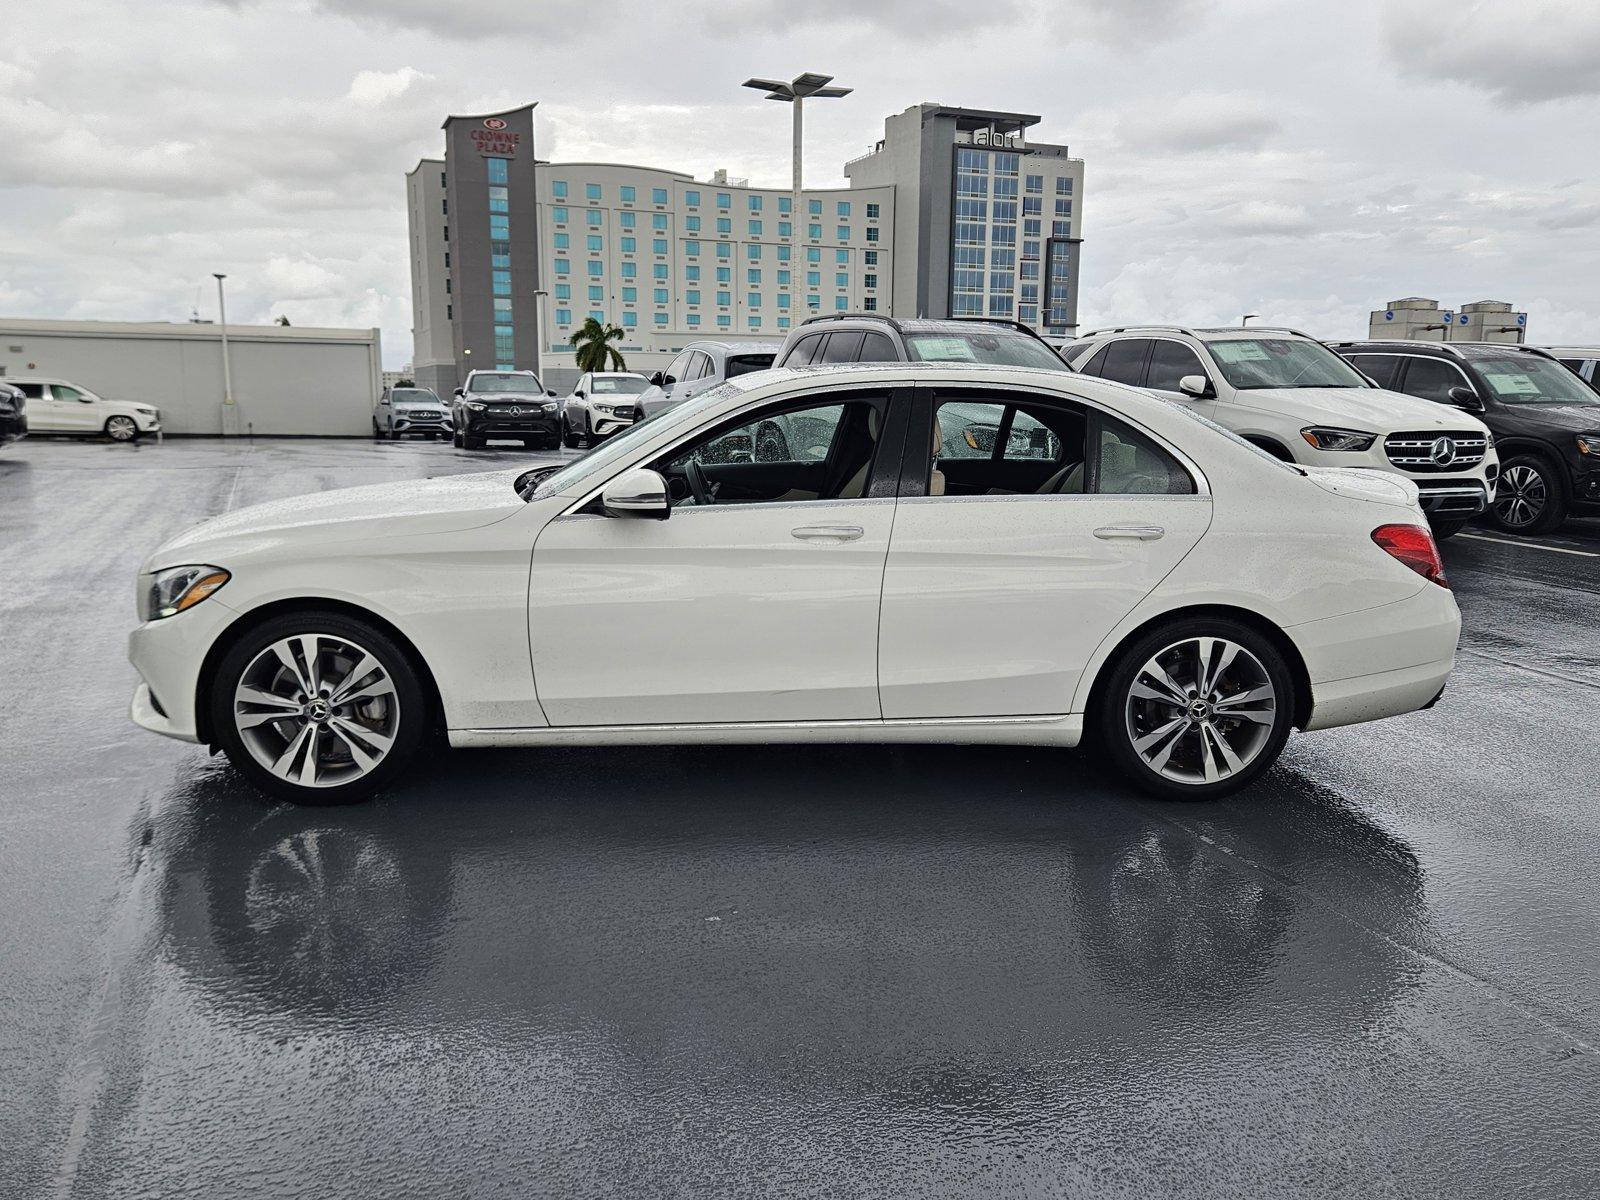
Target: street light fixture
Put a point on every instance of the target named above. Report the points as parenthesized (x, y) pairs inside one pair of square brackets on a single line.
[(796, 92)]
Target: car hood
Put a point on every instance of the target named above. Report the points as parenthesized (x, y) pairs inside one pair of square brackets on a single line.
[(507, 397), (1580, 418), (408, 507), (1373, 409)]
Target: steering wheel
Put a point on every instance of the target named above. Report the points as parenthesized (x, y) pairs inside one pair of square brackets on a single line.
[(704, 491)]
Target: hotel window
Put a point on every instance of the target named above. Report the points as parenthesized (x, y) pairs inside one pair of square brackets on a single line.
[(658, 195), (597, 293), (754, 202), (628, 193), (1003, 260), (785, 229), (444, 180), (658, 245), (563, 316), (1030, 268), (1007, 164), (869, 304), (1064, 186), (659, 271), (870, 257), (628, 245), (972, 185), (692, 199), (753, 253), (630, 320), (783, 253), (692, 249), (628, 220), (562, 241), (447, 261), (813, 278), (563, 267), (842, 279), (872, 233), (784, 322), (1060, 229), (1031, 226), (659, 318), (692, 296), (785, 204), (724, 225), (691, 224), (1002, 281), (1005, 186), (630, 295), (1032, 206), (966, 306), (558, 214), (692, 274), (969, 256), (783, 278), (872, 212), (1000, 306), (724, 249), (563, 291), (814, 302), (596, 315), (630, 270), (1063, 208), (970, 233), (814, 207), (594, 216), (595, 268), (724, 299), (595, 242), (752, 275), (753, 322), (1028, 314), (813, 254), (843, 233), (1005, 211), (1030, 293), (1004, 235), (447, 233), (693, 319), (752, 300), (841, 303), (591, 191), (783, 299), (659, 295), (814, 231), (967, 281), (869, 281), (499, 199), (972, 210), (658, 220), (972, 160), (724, 321), (1035, 183), (558, 189), (449, 312), (499, 226), (755, 228), (724, 274), (842, 257), (724, 200), (844, 208), (502, 309)]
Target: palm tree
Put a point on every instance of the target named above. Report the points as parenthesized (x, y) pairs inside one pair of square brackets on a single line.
[(593, 348)]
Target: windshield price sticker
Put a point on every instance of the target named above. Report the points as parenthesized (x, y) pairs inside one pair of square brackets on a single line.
[(1513, 385), (1235, 352), (945, 349)]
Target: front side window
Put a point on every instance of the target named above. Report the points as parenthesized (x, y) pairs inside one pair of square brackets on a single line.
[(1380, 368), (1169, 362), (1432, 379), (1255, 363)]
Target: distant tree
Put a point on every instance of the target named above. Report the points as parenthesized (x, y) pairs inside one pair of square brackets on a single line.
[(593, 349), (283, 320)]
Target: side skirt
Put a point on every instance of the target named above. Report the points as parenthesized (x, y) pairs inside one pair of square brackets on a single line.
[(1053, 730)]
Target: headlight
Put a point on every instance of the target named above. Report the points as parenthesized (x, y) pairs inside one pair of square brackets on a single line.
[(605, 408), (475, 406), (177, 588), (553, 407), (1589, 443), (1326, 438)]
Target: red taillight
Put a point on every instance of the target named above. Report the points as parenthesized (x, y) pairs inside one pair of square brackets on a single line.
[(1414, 546)]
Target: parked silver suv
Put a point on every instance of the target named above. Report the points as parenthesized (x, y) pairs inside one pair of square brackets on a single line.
[(700, 367), (408, 409)]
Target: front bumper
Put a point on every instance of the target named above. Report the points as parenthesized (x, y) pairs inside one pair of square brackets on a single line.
[(430, 423), (167, 654), (514, 427), (12, 428), (1453, 498)]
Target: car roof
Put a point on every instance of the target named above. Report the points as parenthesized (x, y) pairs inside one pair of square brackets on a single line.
[(712, 344), (616, 374), (39, 379), (1457, 350), (1572, 351)]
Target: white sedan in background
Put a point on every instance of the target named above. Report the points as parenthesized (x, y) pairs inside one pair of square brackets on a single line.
[(1123, 571), (57, 406), (602, 403)]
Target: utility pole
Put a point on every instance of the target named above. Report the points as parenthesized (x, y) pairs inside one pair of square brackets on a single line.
[(230, 412)]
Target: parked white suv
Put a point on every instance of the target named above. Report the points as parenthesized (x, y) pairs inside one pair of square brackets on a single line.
[(56, 406), (602, 403), (1289, 394)]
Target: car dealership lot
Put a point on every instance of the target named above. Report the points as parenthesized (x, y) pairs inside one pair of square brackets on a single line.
[(700, 971)]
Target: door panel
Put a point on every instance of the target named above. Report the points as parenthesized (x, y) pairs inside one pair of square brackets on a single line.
[(718, 614)]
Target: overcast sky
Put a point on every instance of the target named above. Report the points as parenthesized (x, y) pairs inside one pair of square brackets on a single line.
[(1306, 161)]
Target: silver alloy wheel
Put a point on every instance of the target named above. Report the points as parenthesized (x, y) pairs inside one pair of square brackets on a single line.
[(317, 710), (121, 429), (1201, 710), (1522, 496)]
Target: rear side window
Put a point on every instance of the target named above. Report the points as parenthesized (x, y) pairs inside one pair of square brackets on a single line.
[(1381, 367), (875, 347), (804, 350), (744, 364), (1124, 361), (33, 391), (1133, 465), (842, 347), (1169, 362)]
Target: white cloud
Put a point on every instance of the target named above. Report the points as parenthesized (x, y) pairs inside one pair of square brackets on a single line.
[(372, 88), (1522, 52)]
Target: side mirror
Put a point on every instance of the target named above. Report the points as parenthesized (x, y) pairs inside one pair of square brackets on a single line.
[(640, 492), (658, 379), (459, 392), (549, 391), (578, 394), (1464, 397), (384, 400), (1197, 386)]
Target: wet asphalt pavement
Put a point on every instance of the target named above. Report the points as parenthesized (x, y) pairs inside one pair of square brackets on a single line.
[(873, 971)]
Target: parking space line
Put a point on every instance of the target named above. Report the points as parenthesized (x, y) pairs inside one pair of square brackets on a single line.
[(1479, 537)]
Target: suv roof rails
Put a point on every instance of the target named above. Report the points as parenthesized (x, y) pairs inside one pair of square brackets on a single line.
[(899, 325), (1454, 348), (1196, 331), (1129, 328), (1261, 329)]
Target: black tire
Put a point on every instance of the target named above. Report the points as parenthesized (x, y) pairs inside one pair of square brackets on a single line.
[(589, 440), (122, 429), (1120, 717), (1443, 528), (1530, 497), (471, 443), (410, 725), (456, 439), (394, 435), (568, 438)]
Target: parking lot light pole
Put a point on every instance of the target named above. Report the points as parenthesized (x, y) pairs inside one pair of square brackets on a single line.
[(229, 416), (795, 92), (539, 295)]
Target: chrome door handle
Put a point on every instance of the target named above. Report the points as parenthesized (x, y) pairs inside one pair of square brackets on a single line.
[(1136, 533), (827, 533)]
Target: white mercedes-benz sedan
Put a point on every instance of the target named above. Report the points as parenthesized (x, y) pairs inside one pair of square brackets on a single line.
[(906, 552)]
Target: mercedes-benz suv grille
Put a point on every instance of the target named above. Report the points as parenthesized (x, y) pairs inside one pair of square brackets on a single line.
[(1433, 451)]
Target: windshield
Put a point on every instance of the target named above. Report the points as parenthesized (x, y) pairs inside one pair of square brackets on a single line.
[(619, 385), (1525, 379), (484, 382), (1249, 363), (744, 364), (413, 396), (621, 445), (982, 346)]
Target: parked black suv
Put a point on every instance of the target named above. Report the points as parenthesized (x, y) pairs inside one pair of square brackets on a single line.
[(505, 404), (870, 337), (13, 413), (1545, 420)]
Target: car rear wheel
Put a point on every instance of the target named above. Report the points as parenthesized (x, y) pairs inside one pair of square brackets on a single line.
[(1446, 529), (1197, 709), (568, 438), (1529, 498), (318, 708), (121, 429)]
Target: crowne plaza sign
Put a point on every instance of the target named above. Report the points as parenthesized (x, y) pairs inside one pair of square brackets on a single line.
[(495, 139)]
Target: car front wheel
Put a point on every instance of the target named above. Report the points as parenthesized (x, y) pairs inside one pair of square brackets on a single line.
[(317, 708), (121, 429), (1197, 708), (1529, 498)]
